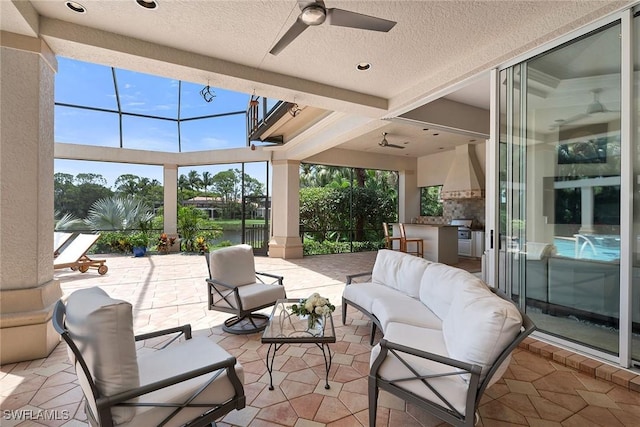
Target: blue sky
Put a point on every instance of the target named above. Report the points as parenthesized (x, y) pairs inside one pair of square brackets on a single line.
[(92, 85)]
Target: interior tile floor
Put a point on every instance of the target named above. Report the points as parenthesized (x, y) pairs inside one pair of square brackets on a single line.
[(167, 290)]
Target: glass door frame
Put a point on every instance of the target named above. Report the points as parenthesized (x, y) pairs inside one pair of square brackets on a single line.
[(627, 131)]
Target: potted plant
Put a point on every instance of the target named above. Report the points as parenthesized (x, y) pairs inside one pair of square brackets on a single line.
[(165, 242), (139, 242), (201, 244)]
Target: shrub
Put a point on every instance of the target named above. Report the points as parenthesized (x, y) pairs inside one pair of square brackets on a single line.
[(113, 241)]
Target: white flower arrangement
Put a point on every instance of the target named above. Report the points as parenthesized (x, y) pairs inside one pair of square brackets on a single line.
[(313, 306)]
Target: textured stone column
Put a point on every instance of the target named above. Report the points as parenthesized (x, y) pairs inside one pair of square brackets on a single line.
[(28, 291), (285, 210)]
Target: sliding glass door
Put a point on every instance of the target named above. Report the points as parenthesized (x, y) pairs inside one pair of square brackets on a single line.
[(559, 188), (635, 132)]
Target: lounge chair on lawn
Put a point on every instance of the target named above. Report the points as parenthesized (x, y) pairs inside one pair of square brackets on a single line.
[(59, 239), (75, 256)]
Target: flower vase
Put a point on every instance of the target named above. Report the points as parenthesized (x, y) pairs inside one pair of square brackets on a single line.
[(314, 324)]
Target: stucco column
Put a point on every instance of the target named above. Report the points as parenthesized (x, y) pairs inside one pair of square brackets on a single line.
[(408, 196), (285, 210), (586, 196), (170, 205), (28, 291)]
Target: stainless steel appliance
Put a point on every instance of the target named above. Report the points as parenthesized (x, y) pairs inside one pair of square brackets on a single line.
[(465, 243)]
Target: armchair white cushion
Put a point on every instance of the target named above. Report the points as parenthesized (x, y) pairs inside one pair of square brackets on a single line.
[(235, 287), (158, 386), (103, 327), (233, 265)]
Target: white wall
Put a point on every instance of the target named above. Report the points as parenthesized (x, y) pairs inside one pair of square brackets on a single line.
[(433, 169)]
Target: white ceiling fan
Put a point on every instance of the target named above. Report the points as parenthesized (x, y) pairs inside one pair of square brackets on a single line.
[(316, 13), (385, 143), (593, 108)]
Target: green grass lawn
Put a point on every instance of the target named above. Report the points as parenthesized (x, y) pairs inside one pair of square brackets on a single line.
[(235, 224)]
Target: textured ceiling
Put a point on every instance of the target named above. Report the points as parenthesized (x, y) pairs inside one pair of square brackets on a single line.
[(435, 44)]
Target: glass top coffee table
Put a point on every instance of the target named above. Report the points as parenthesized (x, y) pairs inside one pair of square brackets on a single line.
[(287, 328)]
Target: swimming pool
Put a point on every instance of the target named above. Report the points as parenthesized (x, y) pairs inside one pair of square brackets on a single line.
[(596, 247)]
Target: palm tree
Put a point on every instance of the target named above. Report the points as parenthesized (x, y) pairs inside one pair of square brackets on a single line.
[(194, 180), (183, 183), (119, 214), (66, 222), (207, 180)]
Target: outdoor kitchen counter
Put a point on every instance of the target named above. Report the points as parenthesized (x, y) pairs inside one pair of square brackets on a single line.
[(440, 241)]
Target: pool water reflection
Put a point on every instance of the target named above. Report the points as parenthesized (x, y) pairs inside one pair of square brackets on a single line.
[(590, 246)]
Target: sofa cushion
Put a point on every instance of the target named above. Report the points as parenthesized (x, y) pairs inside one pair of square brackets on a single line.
[(102, 327), (404, 309), (364, 294), (399, 271), (452, 388), (440, 283), (479, 326)]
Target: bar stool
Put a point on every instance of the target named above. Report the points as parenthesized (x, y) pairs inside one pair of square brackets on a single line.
[(388, 240), (419, 243)]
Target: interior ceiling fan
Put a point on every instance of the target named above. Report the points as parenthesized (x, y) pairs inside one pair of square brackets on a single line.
[(316, 13), (595, 107), (385, 143)]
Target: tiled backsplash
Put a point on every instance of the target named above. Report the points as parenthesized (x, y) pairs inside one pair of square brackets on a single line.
[(461, 208)]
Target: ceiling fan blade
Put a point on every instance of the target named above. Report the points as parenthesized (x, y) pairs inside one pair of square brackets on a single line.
[(576, 118), (395, 146), (296, 29), (559, 123), (345, 18)]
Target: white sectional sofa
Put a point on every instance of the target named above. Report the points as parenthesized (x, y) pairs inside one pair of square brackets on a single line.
[(447, 335)]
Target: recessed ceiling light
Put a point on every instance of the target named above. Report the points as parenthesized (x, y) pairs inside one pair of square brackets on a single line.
[(472, 140), (76, 7), (148, 4), (436, 134), (363, 66), (425, 129)]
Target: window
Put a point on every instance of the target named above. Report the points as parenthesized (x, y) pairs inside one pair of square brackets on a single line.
[(430, 201)]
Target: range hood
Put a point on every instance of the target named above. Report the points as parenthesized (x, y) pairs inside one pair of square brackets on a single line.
[(465, 179)]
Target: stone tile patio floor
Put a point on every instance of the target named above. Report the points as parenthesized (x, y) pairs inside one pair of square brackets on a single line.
[(540, 388)]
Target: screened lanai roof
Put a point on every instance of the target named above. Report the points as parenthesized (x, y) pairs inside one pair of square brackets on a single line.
[(112, 107)]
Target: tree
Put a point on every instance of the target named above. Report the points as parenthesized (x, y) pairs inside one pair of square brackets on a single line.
[(66, 222), (120, 214), (252, 187), (183, 183), (226, 184), (76, 195), (320, 175), (430, 204), (194, 180), (127, 184), (91, 178), (207, 181), (337, 201), (149, 190)]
